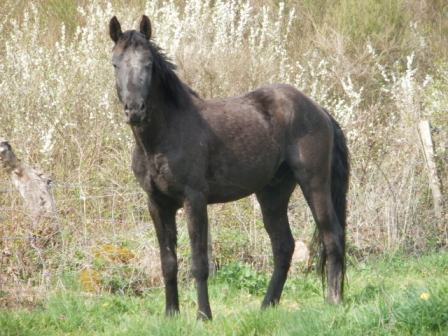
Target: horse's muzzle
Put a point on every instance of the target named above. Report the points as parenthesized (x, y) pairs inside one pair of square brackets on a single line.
[(134, 117)]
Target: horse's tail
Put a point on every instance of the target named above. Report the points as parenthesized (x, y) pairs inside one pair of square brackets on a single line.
[(340, 173)]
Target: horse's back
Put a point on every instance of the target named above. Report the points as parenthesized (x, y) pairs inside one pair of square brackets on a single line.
[(278, 111)]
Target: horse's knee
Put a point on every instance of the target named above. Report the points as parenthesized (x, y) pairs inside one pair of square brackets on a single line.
[(169, 267), (199, 268)]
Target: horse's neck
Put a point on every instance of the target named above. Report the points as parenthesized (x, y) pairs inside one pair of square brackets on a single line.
[(162, 115), (149, 136)]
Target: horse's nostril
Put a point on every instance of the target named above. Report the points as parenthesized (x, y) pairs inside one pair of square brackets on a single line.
[(142, 107), (134, 119), (126, 107)]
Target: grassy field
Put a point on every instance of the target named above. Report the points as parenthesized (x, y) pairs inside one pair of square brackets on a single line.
[(388, 296)]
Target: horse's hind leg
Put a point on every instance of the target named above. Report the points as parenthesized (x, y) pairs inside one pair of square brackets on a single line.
[(274, 207), (311, 166), (332, 236)]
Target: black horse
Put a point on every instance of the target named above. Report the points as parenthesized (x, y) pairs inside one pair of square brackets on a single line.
[(191, 152)]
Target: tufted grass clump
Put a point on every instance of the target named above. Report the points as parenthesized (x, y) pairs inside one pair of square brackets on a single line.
[(392, 307), (425, 313)]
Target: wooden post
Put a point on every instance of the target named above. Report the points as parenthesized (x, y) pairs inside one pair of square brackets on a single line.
[(428, 151)]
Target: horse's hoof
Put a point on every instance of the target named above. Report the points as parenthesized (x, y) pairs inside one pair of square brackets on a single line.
[(334, 299), (171, 312), (204, 316), (268, 305)]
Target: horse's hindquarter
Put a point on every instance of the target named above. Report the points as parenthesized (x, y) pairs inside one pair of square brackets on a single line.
[(246, 143)]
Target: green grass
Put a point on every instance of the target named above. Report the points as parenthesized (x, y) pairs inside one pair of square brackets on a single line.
[(383, 297)]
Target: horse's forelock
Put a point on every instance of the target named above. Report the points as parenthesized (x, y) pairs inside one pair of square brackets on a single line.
[(131, 39)]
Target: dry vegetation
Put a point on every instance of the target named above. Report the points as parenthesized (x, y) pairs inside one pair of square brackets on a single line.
[(379, 66)]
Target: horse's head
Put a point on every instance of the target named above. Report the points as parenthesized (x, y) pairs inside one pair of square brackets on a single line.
[(132, 60)]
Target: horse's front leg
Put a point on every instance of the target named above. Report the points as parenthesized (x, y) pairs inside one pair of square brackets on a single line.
[(195, 206), (163, 213)]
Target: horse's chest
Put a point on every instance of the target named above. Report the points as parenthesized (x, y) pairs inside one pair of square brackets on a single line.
[(156, 171), (161, 174)]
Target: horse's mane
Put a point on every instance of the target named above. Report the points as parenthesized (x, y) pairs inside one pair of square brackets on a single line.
[(164, 71)]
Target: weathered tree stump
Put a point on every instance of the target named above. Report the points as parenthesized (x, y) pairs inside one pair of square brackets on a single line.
[(35, 188)]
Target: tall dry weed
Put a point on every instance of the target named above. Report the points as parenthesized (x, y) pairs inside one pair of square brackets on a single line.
[(59, 109)]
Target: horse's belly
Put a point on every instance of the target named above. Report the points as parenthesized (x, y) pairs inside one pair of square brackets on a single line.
[(228, 193), (235, 179)]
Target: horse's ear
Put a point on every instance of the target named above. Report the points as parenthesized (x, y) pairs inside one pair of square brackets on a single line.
[(145, 27), (114, 29)]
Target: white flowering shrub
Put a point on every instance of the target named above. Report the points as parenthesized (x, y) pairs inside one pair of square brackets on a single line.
[(59, 110)]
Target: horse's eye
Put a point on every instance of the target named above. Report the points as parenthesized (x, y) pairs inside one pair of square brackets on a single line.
[(115, 66)]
